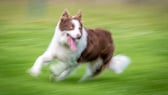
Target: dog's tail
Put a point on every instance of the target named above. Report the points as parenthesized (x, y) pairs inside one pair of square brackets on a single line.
[(118, 63)]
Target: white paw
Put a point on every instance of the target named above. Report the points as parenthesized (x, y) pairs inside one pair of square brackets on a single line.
[(34, 72), (60, 78), (85, 78)]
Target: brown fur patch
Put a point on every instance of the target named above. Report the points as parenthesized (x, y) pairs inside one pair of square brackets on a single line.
[(66, 24), (66, 21), (99, 45)]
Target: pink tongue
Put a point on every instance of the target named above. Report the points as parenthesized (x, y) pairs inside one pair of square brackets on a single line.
[(71, 43)]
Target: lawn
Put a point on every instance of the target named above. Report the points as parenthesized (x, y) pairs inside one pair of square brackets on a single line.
[(139, 31)]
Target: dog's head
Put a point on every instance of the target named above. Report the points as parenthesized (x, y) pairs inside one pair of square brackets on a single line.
[(71, 28)]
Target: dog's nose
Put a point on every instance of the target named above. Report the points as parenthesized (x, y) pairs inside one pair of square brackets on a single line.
[(78, 36)]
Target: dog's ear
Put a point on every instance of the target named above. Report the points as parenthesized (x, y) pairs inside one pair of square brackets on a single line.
[(79, 15), (65, 15)]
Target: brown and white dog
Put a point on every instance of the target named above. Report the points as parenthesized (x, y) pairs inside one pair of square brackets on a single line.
[(73, 44)]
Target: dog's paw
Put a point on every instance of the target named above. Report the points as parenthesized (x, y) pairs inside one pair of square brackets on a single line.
[(54, 78), (33, 72), (85, 78)]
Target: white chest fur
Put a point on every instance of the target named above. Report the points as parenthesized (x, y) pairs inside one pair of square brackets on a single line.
[(57, 50), (62, 52)]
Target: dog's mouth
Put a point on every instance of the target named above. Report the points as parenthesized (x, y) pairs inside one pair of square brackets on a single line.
[(71, 42)]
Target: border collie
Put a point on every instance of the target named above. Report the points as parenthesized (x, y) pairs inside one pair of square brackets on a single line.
[(73, 44)]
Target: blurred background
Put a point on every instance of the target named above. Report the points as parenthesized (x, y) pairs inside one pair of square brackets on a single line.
[(139, 28)]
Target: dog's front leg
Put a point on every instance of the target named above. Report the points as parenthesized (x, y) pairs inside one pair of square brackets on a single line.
[(57, 69), (41, 60), (66, 72), (71, 65), (61, 70)]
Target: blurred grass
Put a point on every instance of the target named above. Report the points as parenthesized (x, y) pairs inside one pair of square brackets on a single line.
[(141, 32)]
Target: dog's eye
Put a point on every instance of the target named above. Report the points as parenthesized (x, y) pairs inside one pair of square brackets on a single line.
[(71, 27)]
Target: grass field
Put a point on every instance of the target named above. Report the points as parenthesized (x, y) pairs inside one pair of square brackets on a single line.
[(140, 32)]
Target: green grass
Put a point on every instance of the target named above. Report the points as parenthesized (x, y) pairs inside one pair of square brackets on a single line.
[(138, 31)]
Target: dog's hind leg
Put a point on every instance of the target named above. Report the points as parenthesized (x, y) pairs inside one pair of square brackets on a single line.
[(97, 66), (41, 60), (92, 69)]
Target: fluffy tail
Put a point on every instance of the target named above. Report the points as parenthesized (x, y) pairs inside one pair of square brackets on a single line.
[(119, 63)]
